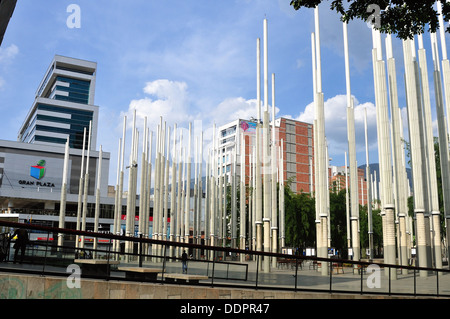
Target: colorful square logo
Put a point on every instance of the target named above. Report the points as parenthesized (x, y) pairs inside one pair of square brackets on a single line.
[(38, 171)]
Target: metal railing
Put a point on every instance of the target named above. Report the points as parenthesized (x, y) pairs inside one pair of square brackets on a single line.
[(217, 268)]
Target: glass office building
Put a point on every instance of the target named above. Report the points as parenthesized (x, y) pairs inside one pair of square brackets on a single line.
[(63, 106), (31, 168)]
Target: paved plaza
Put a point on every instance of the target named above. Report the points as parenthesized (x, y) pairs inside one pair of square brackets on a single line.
[(309, 278)]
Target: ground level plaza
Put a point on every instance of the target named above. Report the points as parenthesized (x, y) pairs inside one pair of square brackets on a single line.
[(207, 267), (308, 280)]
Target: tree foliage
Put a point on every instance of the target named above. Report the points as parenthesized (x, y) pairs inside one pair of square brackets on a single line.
[(403, 18), (377, 227), (338, 220), (300, 216), (301, 227)]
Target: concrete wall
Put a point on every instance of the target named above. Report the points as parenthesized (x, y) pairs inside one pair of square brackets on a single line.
[(18, 286)]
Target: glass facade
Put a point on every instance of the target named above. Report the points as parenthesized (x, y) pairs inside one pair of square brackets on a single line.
[(77, 120), (63, 107), (72, 90)]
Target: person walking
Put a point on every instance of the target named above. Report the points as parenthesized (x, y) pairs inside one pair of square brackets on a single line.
[(184, 258)]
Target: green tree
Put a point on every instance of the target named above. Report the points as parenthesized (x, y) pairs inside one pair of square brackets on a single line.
[(439, 183), (338, 220), (299, 218), (404, 18), (377, 226)]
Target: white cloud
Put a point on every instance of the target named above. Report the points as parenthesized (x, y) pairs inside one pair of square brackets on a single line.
[(234, 108), (238, 108), (6, 56), (336, 123), (8, 53), (170, 102)]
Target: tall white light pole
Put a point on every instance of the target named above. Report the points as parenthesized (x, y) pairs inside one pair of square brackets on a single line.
[(166, 186), (441, 105), (80, 191), (132, 185), (445, 61), (347, 209), (321, 188), (86, 186), (156, 191), (223, 200), (183, 199), (97, 197), (417, 149), (200, 190), (143, 182), (258, 178), (266, 156), (179, 223), (207, 217), (188, 188), (173, 192), (162, 181), (119, 191), (213, 188), (116, 195), (195, 202), (233, 176), (430, 156), (383, 127), (273, 148), (369, 193), (397, 150), (148, 189), (62, 204), (242, 213), (281, 196), (354, 198), (442, 132)]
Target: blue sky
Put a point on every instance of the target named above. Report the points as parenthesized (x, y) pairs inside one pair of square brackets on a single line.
[(191, 60)]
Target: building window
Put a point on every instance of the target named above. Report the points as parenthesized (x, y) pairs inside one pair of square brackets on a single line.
[(76, 91), (49, 139), (79, 119)]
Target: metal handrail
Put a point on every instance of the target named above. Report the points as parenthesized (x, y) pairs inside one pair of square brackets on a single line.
[(215, 249)]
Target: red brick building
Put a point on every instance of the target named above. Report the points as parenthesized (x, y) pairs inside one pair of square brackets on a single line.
[(338, 182), (298, 150)]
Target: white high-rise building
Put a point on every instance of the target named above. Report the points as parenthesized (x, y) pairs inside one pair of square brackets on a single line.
[(63, 105), (31, 168)]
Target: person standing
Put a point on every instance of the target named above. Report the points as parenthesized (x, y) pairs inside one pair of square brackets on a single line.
[(21, 243)]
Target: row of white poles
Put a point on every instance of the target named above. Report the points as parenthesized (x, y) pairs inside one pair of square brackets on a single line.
[(210, 218), (394, 188), (394, 184), (262, 210), (82, 210)]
